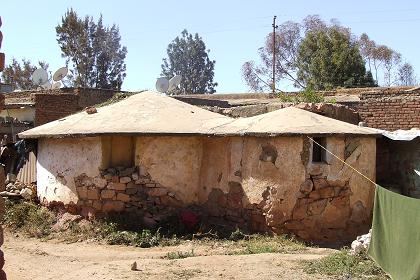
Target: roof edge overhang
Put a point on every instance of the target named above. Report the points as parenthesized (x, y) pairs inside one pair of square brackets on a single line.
[(250, 134)]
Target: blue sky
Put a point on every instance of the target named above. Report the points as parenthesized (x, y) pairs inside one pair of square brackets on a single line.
[(232, 30)]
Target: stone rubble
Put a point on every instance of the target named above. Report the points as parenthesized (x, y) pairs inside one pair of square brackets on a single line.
[(361, 244), (19, 189)]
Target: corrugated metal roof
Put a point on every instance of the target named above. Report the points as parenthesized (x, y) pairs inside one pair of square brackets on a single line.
[(27, 174), (402, 135)]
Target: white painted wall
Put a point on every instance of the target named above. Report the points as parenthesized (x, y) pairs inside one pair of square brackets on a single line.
[(22, 114), (60, 161)]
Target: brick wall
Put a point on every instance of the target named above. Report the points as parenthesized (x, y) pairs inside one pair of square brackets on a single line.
[(390, 110), (55, 104), (90, 97), (50, 107)]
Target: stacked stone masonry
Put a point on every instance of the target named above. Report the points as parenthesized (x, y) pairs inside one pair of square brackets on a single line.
[(133, 190)]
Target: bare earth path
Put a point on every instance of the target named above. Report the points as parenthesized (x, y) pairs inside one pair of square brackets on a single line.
[(35, 259)]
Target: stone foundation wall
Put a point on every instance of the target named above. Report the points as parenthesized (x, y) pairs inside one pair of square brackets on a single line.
[(132, 190), (124, 189)]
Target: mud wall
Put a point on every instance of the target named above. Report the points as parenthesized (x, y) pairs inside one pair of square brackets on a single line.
[(60, 161), (396, 163), (272, 184), (257, 184), (173, 162)]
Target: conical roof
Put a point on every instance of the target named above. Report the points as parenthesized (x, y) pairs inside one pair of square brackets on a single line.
[(142, 113)]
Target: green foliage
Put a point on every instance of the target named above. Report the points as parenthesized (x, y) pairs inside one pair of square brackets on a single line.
[(180, 255), (311, 96), (343, 264), (36, 221), (28, 218), (112, 235), (94, 50), (19, 75), (237, 235), (188, 57), (258, 244), (307, 96), (329, 58), (310, 54)]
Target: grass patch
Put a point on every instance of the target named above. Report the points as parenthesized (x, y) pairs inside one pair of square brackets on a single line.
[(180, 255), (28, 218), (259, 244), (345, 265), (37, 221)]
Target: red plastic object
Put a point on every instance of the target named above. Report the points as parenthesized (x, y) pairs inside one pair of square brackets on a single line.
[(189, 219)]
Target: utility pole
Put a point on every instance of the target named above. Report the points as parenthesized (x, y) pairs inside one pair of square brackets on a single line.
[(2, 59), (274, 55)]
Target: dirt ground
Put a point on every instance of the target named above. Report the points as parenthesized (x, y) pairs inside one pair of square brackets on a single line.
[(35, 259)]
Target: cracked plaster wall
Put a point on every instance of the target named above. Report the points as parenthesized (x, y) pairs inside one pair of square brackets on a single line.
[(256, 183), (59, 161)]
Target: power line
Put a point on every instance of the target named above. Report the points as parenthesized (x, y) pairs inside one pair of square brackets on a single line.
[(383, 21)]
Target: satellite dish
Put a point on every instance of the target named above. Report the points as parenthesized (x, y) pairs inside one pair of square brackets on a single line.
[(174, 82), (47, 85), (56, 85), (162, 84), (40, 76), (60, 74)]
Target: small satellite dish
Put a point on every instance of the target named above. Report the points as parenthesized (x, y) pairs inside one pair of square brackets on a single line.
[(174, 82), (56, 85), (47, 85), (162, 84), (60, 74), (40, 76)]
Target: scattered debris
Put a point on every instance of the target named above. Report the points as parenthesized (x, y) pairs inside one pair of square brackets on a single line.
[(91, 110), (65, 221), (19, 190), (361, 244)]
